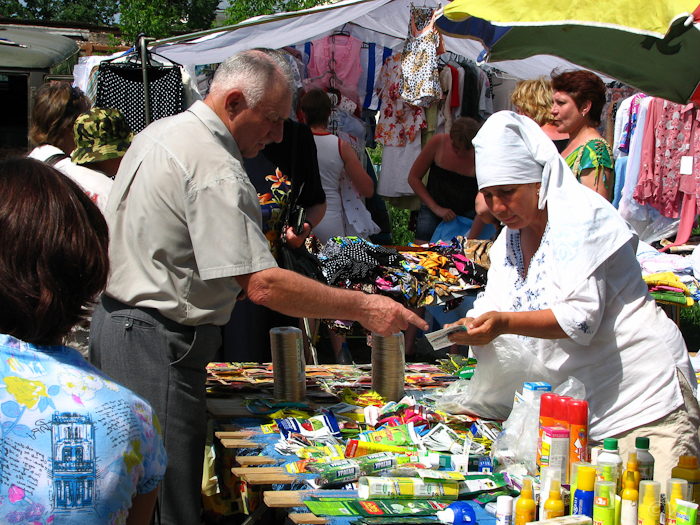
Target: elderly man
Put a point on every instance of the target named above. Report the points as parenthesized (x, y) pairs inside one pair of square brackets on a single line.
[(186, 242)]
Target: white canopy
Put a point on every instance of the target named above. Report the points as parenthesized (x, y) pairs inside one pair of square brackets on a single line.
[(383, 22)]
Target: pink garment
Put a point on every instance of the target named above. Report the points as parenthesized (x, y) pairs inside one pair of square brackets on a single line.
[(345, 50), (399, 121), (671, 132)]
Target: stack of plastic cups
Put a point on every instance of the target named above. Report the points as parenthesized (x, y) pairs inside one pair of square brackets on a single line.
[(288, 364), (388, 364)]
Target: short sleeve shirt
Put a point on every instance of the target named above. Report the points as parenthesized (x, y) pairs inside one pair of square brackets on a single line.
[(76, 447), (184, 220)]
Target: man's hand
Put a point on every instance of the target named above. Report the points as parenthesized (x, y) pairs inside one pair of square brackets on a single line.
[(446, 214), (294, 240), (384, 316)]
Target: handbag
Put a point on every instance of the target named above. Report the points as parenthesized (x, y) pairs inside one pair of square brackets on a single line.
[(298, 260)]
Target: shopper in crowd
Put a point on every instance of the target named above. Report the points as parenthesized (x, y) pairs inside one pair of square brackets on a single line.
[(101, 137), (451, 187), (578, 100), (186, 242), (77, 447), (565, 285), (57, 105), (341, 170), (533, 98)]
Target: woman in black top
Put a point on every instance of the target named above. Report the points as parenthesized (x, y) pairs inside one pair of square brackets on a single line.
[(452, 186)]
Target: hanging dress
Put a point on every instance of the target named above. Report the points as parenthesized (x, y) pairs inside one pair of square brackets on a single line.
[(420, 82)]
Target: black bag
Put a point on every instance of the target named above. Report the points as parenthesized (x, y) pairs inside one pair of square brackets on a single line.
[(298, 260)]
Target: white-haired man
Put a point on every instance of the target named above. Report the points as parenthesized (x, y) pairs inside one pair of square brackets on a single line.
[(186, 242)]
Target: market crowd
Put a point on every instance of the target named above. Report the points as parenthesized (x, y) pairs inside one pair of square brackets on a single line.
[(156, 238)]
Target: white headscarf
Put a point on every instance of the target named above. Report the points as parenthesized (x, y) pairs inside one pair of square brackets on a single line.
[(584, 227)]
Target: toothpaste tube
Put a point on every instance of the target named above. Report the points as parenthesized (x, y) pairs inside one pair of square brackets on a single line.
[(376, 463), (336, 472), (686, 512), (362, 448)]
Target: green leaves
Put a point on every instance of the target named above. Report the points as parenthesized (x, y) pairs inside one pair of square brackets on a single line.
[(240, 10)]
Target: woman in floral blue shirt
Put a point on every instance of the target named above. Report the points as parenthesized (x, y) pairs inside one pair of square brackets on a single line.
[(76, 447)]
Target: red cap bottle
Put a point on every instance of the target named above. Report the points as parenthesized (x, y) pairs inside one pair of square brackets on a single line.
[(561, 412)]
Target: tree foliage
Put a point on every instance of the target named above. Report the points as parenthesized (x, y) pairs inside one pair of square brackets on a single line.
[(242, 10), (160, 20), (97, 12)]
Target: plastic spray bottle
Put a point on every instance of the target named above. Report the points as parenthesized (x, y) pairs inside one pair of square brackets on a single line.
[(676, 489), (583, 497), (525, 507), (649, 508), (547, 475), (632, 467), (611, 454), (645, 461), (554, 506), (630, 497), (687, 469), (604, 503), (574, 476)]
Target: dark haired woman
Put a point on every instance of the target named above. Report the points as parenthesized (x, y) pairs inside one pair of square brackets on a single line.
[(452, 187), (578, 100), (77, 447)]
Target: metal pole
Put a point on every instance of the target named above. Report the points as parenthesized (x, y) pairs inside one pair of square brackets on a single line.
[(144, 70)]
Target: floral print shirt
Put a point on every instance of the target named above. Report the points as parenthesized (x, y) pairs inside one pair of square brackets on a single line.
[(399, 121), (76, 447)]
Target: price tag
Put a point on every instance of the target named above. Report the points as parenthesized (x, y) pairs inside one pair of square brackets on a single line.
[(686, 165)]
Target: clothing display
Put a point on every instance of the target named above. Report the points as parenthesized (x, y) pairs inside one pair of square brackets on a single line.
[(595, 154), (95, 184), (420, 84), (76, 446), (120, 86), (620, 344), (335, 57), (171, 285)]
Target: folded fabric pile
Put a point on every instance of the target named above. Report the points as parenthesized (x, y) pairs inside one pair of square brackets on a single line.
[(415, 278), (667, 288)]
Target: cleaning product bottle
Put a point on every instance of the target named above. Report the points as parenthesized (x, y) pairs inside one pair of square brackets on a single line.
[(645, 461), (611, 454), (630, 497), (574, 476), (649, 507), (578, 428), (525, 507), (504, 510), (632, 467), (546, 420), (554, 506), (604, 503), (583, 497), (676, 489), (687, 469)]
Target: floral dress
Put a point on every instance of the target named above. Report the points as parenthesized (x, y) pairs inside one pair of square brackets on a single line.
[(76, 447)]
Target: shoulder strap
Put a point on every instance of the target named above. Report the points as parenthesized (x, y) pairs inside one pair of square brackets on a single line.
[(55, 159)]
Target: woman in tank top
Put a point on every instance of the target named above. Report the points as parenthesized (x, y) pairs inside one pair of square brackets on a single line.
[(451, 187)]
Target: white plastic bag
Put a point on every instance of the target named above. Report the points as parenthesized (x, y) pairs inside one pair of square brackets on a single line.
[(516, 446), (502, 367)]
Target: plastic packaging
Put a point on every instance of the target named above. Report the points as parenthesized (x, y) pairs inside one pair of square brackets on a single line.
[(406, 488), (686, 512), (554, 506), (525, 507), (632, 467), (649, 507), (604, 503), (645, 461), (687, 469), (583, 497), (611, 454), (504, 510), (574, 475), (630, 499), (676, 489)]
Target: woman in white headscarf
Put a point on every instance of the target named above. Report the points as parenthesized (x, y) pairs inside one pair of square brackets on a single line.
[(565, 285)]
